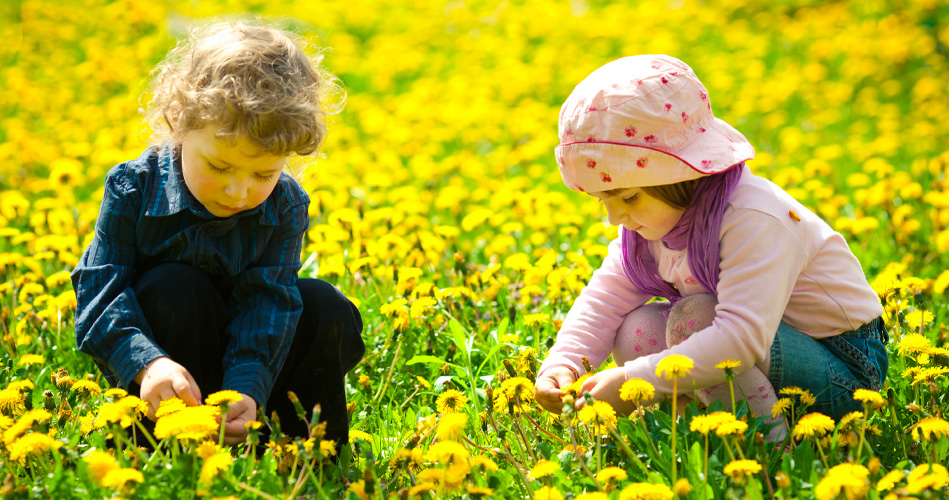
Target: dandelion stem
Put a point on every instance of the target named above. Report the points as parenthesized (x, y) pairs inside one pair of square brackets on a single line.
[(541, 429), (583, 465), (627, 450), (251, 489), (520, 431), (385, 385), (675, 418)]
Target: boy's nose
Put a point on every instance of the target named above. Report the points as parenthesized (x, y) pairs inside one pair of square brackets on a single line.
[(236, 188)]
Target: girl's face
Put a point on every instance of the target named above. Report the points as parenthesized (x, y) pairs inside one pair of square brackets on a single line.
[(637, 211), (227, 178)]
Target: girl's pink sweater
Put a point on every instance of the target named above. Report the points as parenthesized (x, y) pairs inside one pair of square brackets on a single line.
[(779, 262)]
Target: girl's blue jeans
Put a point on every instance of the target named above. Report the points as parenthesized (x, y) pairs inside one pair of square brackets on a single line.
[(831, 368)]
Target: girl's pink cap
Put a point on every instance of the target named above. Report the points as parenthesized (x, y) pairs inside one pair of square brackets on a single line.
[(643, 121)]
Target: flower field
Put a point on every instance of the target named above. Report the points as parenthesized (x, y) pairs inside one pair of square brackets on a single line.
[(438, 209)]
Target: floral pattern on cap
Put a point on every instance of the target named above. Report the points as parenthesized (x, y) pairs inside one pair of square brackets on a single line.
[(643, 121)]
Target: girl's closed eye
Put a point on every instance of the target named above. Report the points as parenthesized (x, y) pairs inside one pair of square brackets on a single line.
[(631, 198), (264, 177)]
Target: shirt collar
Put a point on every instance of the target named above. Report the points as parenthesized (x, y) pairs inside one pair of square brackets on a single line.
[(169, 193)]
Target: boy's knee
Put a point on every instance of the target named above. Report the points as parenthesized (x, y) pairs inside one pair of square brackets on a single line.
[(328, 311), (688, 316)]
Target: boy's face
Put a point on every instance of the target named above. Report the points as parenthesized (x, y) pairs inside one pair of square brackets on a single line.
[(227, 178), (637, 211)]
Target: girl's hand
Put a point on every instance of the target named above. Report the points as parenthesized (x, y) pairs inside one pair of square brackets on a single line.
[(164, 379), (548, 386), (604, 386), (239, 413)]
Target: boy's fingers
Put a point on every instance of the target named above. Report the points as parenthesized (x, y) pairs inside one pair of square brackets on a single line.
[(185, 390)]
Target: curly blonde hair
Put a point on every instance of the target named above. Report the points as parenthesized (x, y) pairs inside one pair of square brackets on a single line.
[(255, 82)]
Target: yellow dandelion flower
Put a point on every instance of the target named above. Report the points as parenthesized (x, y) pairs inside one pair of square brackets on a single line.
[(119, 477), (5, 422), (450, 401), (791, 391), (422, 382), (888, 482), (611, 473), (543, 468), (917, 318), (478, 491), (808, 399), (196, 423), (674, 366), (646, 491), (30, 359), (122, 412), (358, 488), (913, 343), (850, 421), (10, 400), (448, 452), (99, 463), (169, 406), (537, 319), (548, 493), (364, 381), (600, 414), (741, 469), (574, 388), (32, 444), (415, 492), (593, 495), (451, 426), (707, 423), (637, 390), (682, 487), (813, 425), (226, 397), (328, 447), (116, 393), (25, 423), (207, 449), (782, 407), (847, 479), (731, 428), (930, 426), (86, 388), (358, 434), (484, 462), (214, 465), (518, 387), (929, 374), (21, 385), (728, 364), (867, 396), (927, 477)]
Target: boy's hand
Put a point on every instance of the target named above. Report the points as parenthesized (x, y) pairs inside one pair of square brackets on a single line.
[(164, 379), (604, 386), (241, 412), (548, 386)]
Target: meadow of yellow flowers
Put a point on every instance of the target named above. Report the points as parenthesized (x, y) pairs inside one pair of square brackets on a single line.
[(438, 209)]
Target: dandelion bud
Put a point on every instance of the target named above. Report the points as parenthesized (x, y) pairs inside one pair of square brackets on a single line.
[(90, 377), (874, 465), (49, 401), (784, 482), (350, 408), (62, 380), (297, 407), (586, 365), (510, 368), (370, 482), (759, 439)]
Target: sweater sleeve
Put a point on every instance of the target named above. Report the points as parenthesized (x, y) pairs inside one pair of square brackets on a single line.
[(761, 259), (591, 324)]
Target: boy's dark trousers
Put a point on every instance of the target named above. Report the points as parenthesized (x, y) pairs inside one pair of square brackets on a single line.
[(188, 316)]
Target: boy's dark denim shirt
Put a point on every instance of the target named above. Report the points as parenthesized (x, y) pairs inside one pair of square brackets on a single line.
[(149, 217)]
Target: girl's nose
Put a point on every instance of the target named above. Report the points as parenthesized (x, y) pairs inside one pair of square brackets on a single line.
[(615, 213)]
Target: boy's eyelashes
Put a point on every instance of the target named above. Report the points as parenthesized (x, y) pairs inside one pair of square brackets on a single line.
[(219, 170)]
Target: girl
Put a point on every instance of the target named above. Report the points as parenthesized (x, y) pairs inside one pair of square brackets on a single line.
[(750, 274), (190, 283)]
